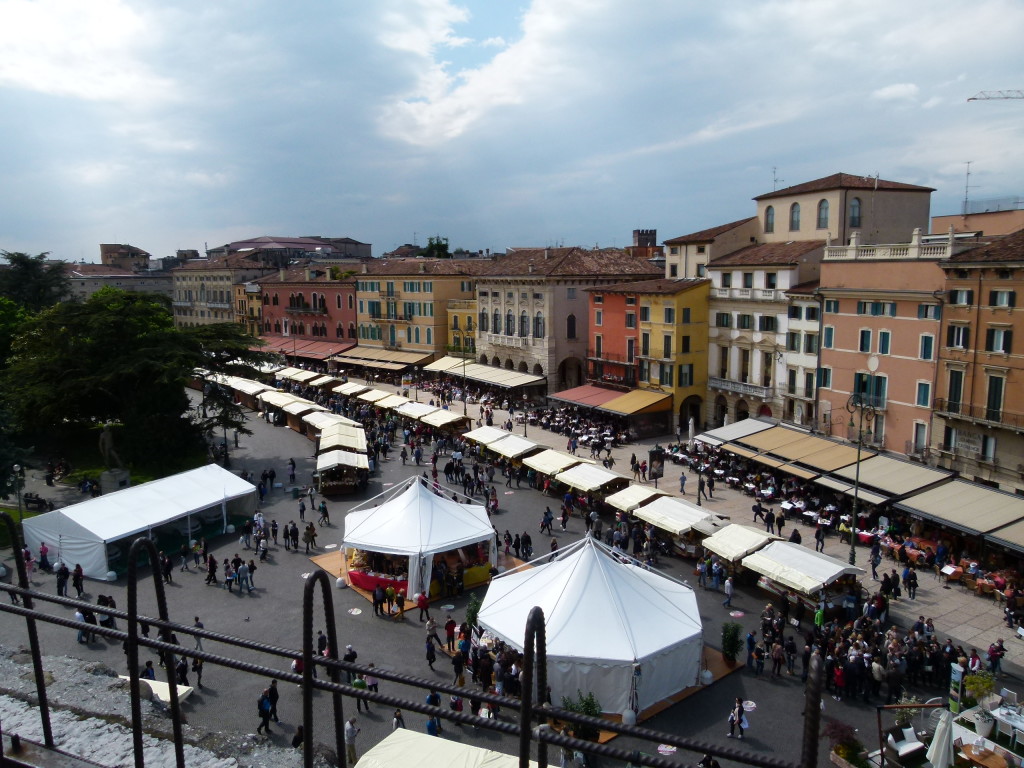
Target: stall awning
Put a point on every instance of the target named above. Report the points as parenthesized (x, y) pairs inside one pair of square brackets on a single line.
[(353, 441), (832, 457), (512, 447), (350, 388), (320, 420), (300, 407), (247, 386), (867, 496), (676, 516), (322, 381), (773, 438), (638, 401), (587, 477), (305, 376), (807, 446), (415, 410), (500, 377), (835, 485), (588, 395), (277, 399), (362, 362), (370, 355), (733, 431), (739, 450), (798, 567), (486, 435), (551, 462), (287, 373), (893, 476), (971, 508), (332, 459), (442, 418), (374, 395), (795, 471), (447, 363), (392, 401), (632, 496), (737, 541), (768, 461)]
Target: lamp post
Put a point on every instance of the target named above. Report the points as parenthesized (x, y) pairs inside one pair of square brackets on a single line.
[(17, 487), (416, 383), (865, 413), (465, 395), (526, 404)]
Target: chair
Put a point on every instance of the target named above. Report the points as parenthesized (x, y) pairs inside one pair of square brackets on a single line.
[(1009, 697), (968, 582), (1012, 760), (1018, 738), (1005, 729)]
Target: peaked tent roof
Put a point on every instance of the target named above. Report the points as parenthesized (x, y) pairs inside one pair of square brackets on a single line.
[(616, 611), (416, 521)]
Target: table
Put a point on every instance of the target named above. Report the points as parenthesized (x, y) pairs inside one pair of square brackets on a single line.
[(983, 757), (1012, 719)]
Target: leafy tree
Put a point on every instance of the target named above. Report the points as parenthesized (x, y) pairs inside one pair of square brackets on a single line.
[(12, 318), (437, 248), (32, 281)]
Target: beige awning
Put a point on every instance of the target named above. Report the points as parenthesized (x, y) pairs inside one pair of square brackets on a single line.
[(332, 459), (501, 377), (319, 420), (587, 477), (374, 395), (486, 435), (351, 388), (300, 407), (800, 448), (443, 418), (447, 363), (353, 441), (413, 410), (632, 496), (795, 471), (277, 399), (767, 460), (675, 515), (322, 380), (832, 483), (247, 386), (551, 462), (971, 508), (894, 476), (832, 456), (513, 446), (304, 376), (798, 567), (770, 439), (734, 431), (392, 401), (638, 401), (866, 496), (286, 373), (739, 450), (737, 541)]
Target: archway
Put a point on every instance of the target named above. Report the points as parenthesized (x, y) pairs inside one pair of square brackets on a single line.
[(691, 408), (483, 359), (721, 409), (523, 367), (570, 373), (742, 410), (496, 361), (538, 369), (765, 410), (509, 365)]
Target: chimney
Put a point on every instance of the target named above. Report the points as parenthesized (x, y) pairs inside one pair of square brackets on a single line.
[(280, 274), (547, 253), (423, 268), (309, 275)]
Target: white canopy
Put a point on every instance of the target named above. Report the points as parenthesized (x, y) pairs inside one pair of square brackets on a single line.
[(321, 420), (299, 407), (551, 462), (676, 516), (632, 496), (406, 748), (798, 567), (80, 533), (486, 435), (321, 381), (374, 395), (587, 477), (736, 541), (602, 616), (350, 388), (391, 401), (332, 459), (442, 418), (415, 410), (512, 446), (734, 431), (342, 436), (277, 399), (417, 523)]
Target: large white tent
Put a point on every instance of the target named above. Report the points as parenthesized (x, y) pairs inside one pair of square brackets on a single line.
[(418, 524), (81, 532), (604, 620)]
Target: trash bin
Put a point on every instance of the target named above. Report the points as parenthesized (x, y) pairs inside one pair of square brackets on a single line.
[(295, 493)]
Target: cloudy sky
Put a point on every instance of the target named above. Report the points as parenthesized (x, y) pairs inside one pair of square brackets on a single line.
[(176, 123)]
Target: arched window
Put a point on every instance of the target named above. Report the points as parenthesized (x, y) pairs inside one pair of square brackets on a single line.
[(351, 301), (323, 329), (570, 327), (510, 324), (314, 330), (266, 298), (823, 214), (417, 334), (323, 301), (524, 324), (855, 212), (274, 302), (302, 329), (351, 330), (339, 331), (266, 327), (794, 217), (337, 299), (769, 219), (277, 326), (496, 322), (285, 326), (538, 326), (483, 321), (430, 335)]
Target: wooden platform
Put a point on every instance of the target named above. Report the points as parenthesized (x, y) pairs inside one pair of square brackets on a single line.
[(332, 562)]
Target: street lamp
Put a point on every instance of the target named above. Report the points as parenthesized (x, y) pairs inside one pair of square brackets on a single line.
[(17, 487), (416, 383), (465, 396), (865, 413), (526, 404)]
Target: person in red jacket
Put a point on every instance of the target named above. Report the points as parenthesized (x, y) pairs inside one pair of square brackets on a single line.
[(423, 603)]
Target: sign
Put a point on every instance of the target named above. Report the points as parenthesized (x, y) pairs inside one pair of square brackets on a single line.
[(956, 688), (655, 464), (968, 442)]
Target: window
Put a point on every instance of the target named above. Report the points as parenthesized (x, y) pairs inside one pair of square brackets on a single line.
[(877, 308), (665, 378), (570, 327), (793, 341), (794, 217), (926, 349), (957, 336), (670, 315), (538, 326), (769, 219), (510, 324), (884, 342), (645, 344), (746, 322), (483, 321), (855, 212), (831, 306), (988, 448), (811, 313), (828, 340), (1002, 298), (645, 314), (824, 378), (771, 280), (673, 270), (924, 394), (598, 317), (702, 270), (674, 250), (961, 296), (570, 293), (766, 323), (598, 346), (430, 335), (994, 401), (686, 374), (955, 391), (598, 298), (810, 343), (928, 312), (998, 340), (870, 388), (630, 301), (686, 315), (748, 279), (722, 319), (684, 344), (727, 279), (702, 249), (631, 319), (796, 313), (538, 296), (823, 214), (496, 322), (524, 324), (864, 344), (666, 346)]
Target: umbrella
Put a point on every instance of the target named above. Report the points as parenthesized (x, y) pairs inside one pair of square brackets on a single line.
[(940, 751)]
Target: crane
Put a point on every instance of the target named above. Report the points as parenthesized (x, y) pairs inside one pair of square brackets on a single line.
[(992, 95)]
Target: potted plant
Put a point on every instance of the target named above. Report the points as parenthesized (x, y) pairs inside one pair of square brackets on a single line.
[(845, 749), (980, 686), (473, 610), (583, 705), (905, 717), (732, 644)]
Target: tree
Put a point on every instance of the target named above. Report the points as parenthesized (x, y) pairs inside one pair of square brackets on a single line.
[(12, 317), (437, 248), (32, 281)]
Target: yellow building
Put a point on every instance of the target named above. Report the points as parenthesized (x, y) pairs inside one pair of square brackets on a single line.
[(249, 307), (462, 327)]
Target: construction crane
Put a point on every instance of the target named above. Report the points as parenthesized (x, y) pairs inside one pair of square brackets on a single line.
[(992, 95)]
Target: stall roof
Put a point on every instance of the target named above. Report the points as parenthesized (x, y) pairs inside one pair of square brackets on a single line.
[(406, 748), (971, 508), (501, 377), (486, 435), (351, 388), (392, 401), (447, 363), (374, 395), (248, 386), (1010, 536), (321, 381), (415, 410), (442, 418), (513, 446), (332, 459), (300, 407), (588, 395), (737, 541), (835, 485), (733, 431), (676, 516), (304, 376), (768, 461), (632, 496), (795, 471), (354, 440), (320, 420), (363, 362), (868, 496), (587, 477), (551, 462), (286, 373), (369, 355), (893, 476), (798, 567), (277, 399), (638, 401), (808, 446), (745, 453), (770, 439), (831, 457)]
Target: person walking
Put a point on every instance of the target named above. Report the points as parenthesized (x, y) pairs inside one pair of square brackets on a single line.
[(351, 732), (400, 605), (274, 695), (682, 482), (397, 721), (737, 719), (769, 521), (302, 510), (199, 641), (63, 574), (78, 580), (727, 603), (431, 653), (819, 539), (432, 631), (263, 710), (701, 487), (360, 685), (423, 603)]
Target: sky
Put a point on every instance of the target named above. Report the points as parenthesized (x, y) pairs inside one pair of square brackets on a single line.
[(174, 124)]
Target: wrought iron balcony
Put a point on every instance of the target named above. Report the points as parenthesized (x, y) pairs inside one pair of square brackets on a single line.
[(981, 414), (741, 388), (305, 309)]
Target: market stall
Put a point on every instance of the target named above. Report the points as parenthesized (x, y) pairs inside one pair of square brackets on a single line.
[(341, 472), (295, 410), (632, 496), (796, 573), (686, 523), (734, 542), (588, 478), (405, 748), (417, 538)]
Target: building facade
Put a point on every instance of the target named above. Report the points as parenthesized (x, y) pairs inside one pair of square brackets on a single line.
[(307, 302), (462, 319), (803, 347), (688, 255), (204, 289), (85, 279)]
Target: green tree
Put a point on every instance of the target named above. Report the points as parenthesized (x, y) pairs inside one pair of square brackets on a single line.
[(32, 281), (12, 317), (437, 248)]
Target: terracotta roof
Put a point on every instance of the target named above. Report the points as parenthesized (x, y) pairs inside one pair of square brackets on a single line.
[(298, 275), (232, 261), (574, 261), (804, 288), (414, 267), (95, 270), (266, 242), (664, 285), (844, 181), (768, 253), (707, 235), (1008, 248)]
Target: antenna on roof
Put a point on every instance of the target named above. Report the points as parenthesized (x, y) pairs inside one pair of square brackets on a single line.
[(775, 179), (967, 187)]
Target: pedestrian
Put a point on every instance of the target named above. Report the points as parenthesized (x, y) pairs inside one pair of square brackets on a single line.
[(701, 487), (199, 641), (554, 549), (996, 651), (819, 538), (273, 533), (449, 633), (780, 520), (351, 732), (350, 657), (197, 667), (397, 721), (400, 605), (432, 631), (263, 710), (291, 471), (63, 574), (737, 719), (78, 580), (912, 583), (431, 653), (299, 737), (211, 570), (181, 672), (711, 485), (459, 668), (324, 519), (360, 685), (682, 482), (434, 700), (274, 695), (423, 603), (302, 510), (728, 593)]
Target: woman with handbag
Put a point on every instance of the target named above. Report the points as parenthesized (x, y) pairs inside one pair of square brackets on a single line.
[(737, 719)]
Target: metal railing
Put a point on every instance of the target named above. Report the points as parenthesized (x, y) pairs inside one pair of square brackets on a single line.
[(741, 388), (530, 726), (979, 413)]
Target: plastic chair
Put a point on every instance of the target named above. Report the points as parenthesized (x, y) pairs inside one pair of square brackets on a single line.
[(1018, 738)]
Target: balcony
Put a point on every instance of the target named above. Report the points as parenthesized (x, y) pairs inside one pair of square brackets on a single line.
[(611, 380), (498, 340), (801, 393), (392, 294), (979, 414), (470, 328), (177, 303), (386, 318), (219, 304), (749, 294), (600, 355), (456, 351), (870, 401), (305, 309), (741, 388)]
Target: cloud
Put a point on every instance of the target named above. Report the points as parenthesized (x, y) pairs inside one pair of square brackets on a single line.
[(896, 92)]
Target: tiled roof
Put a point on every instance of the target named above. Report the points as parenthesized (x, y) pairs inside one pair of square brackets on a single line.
[(804, 288), (768, 254), (707, 235), (1008, 248), (569, 262), (665, 285), (267, 242), (233, 261), (843, 181), (95, 270), (414, 266), (298, 275)]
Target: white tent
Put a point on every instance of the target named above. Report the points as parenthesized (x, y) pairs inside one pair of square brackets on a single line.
[(737, 541), (603, 618), (677, 516), (80, 533), (632, 496), (406, 748), (798, 567), (418, 524)]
